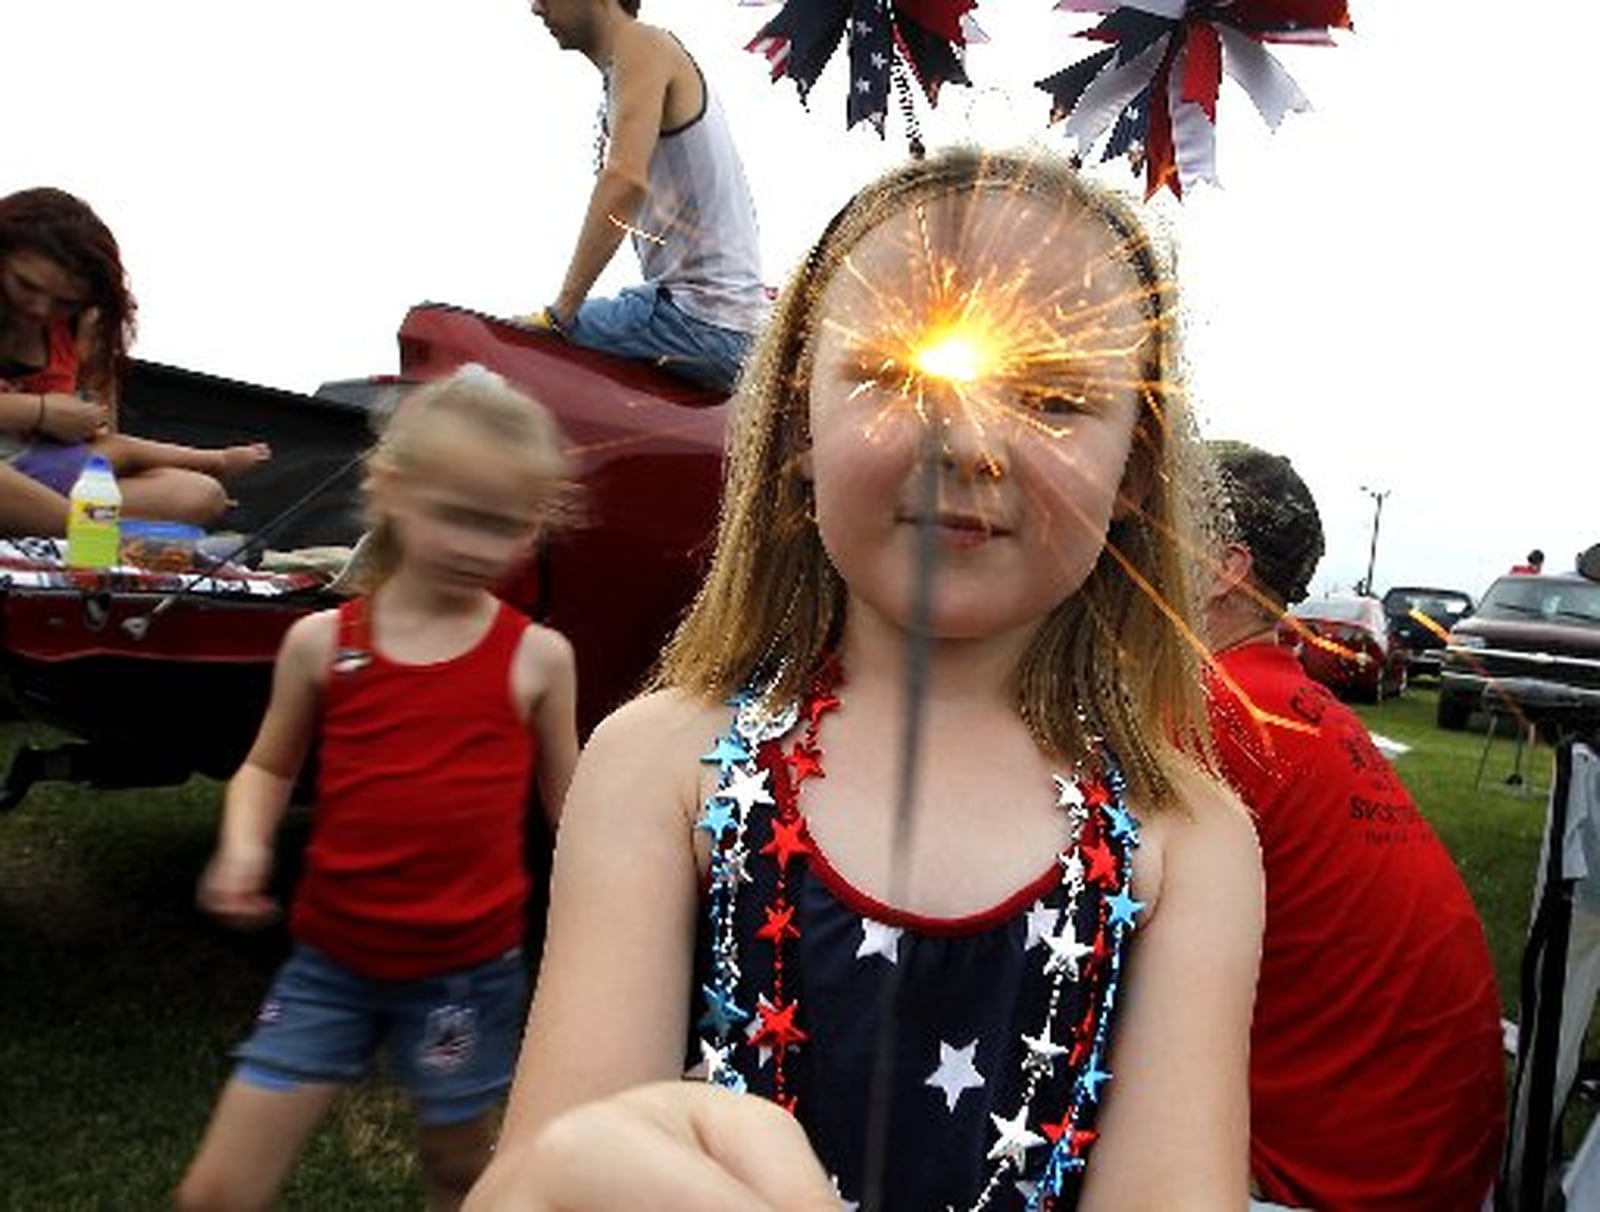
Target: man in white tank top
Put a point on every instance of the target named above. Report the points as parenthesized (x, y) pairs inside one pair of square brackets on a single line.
[(670, 178)]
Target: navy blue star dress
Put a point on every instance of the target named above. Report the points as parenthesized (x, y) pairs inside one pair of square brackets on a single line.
[(1001, 1021)]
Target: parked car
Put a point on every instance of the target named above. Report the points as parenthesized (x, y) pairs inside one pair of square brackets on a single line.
[(1421, 617), (1345, 643), (1536, 639)]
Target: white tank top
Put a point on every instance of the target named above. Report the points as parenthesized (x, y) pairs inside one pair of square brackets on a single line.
[(696, 233)]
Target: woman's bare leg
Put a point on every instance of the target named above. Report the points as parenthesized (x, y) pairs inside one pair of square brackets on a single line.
[(28, 507), (130, 456), (173, 494)]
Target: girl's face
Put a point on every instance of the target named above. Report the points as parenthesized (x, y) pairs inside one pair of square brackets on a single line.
[(463, 516), (35, 288), (1004, 339)]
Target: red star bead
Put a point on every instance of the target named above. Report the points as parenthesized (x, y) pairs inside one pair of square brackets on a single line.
[(1095, 793), (1101, 955), (805, 761), (819, 707), (1078, 1140), (788, 840), (780, 925), (1054, 1132), (778, 1029), (1102, 865), (1082, 1040)]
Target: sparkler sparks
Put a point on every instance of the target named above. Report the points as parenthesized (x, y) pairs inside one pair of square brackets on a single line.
[(956, 356)]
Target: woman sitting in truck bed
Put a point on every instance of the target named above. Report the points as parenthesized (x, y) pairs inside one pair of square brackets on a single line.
[(66, 317)]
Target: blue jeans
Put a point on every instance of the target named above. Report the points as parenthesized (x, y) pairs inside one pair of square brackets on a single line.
[(643, 322), (452, 1039)]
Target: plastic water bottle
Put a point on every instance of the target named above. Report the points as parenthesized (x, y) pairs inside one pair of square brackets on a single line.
[(94, 517)]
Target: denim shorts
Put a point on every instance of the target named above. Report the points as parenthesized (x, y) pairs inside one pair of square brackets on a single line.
[(451, 1040), (643, 322)]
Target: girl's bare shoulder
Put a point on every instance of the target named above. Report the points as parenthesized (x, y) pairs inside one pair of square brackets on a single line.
[(1206, 831), (661, 733), (650, 750), (546, 653), (309, 645)]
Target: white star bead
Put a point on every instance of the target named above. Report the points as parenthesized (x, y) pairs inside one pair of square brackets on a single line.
[(956, 1072), (879, 939), (1067, 793), (751, 1030), (1071, 868), (746, 788), (713, 1059), (1016, 1138), (1041, 1053), (1041, 922), (1065, 952)]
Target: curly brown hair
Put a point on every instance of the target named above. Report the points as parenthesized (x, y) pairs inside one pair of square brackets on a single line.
[(53, 223)]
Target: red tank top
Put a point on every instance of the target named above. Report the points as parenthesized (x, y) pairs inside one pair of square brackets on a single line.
[(59, 373), (415, 865)]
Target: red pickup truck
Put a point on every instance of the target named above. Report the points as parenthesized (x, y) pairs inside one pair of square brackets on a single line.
[(156, 676)]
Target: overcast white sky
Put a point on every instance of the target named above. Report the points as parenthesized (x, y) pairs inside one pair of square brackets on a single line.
[(1393, 289)]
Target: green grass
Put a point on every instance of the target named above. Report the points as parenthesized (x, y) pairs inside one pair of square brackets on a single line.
[(119, 1002)]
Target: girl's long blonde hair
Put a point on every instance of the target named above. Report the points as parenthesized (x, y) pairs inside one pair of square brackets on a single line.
[(1119, 658), (472, 402)]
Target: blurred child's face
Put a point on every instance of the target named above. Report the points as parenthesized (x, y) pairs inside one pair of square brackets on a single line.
[(463, 517), (1003, 338)]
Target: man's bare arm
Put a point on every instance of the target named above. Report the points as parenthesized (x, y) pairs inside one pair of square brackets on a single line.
[(641, 69)]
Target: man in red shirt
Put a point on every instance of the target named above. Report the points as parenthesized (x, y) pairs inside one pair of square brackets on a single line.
[(1376, 1074)]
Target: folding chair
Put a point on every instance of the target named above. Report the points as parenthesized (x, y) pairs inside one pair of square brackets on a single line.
[(1549, 1041)]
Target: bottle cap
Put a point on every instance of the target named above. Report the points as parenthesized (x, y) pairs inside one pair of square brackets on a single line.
[(97, 462)]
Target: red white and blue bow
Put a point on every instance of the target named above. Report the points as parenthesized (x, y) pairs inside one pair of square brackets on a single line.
[(928, 36), (1155, 89)]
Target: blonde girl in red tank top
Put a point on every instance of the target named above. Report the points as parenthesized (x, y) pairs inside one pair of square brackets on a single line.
[(433, 707)]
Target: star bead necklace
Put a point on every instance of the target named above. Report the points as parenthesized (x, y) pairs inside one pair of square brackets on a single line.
[(753, 770)]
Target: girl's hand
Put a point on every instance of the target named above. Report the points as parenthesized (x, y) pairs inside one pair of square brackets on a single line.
[(232, 889), (69, 419), (690, 1148)]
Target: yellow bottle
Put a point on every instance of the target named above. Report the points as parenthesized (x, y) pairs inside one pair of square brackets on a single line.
[(94, 517)]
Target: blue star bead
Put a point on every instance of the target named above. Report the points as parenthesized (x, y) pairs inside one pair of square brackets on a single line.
[(1053, 1179), (1124, 825), (717, 818), (1123, 908), (726, 753), (722, 1014), (1091, 1079)]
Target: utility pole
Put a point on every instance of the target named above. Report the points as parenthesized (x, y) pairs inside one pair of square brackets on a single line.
[(1377, 518)]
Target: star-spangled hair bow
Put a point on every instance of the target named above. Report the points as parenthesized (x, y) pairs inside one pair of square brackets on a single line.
[(928, 36), (1156, 88)]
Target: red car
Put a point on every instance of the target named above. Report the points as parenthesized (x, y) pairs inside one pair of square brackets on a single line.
[(1346, 644), (159, 675)]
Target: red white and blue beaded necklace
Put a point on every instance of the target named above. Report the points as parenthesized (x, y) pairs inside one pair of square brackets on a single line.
[(1103, 834)]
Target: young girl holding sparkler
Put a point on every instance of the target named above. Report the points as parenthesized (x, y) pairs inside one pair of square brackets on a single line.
[(911, 745), (65, 320), (433, 703)]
